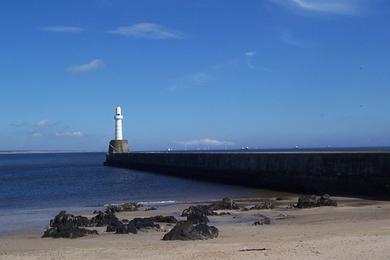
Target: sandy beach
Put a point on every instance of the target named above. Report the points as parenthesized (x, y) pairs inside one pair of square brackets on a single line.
[(356, 229)]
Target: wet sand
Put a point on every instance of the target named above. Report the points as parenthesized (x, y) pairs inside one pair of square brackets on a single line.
[(357, 229)]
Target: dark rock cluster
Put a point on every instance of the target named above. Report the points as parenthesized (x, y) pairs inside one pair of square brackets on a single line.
[(131, 206), (68, 226), (311, 201), (209, 210), (265, 204), (125, 227), (186, 230)]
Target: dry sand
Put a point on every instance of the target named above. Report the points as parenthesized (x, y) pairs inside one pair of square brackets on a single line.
[(357, 229)]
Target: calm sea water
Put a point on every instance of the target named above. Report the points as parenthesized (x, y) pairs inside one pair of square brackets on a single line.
[(34, 187)]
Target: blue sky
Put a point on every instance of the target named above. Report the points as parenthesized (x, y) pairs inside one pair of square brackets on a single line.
[(258, 73)]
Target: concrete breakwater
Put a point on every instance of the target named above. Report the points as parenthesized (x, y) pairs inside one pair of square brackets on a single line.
[(362, 173)]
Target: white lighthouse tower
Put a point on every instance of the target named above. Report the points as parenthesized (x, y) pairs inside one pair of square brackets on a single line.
[(118, 145), (118, 123)]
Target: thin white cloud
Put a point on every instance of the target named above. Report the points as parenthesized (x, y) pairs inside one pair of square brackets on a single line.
[(205, 142), (36, 135), (18, 124), (339, 7), (289, 39), (42, 122), (148, 31), (198, 79), (63, 29), (249, 56), (93, 65), (70, 134)]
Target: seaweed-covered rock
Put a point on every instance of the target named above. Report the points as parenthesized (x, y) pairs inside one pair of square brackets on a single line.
[(265, 204), (131, 206), (68, 226), (185, 230), (311, 201)]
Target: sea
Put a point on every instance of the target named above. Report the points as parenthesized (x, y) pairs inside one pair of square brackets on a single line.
[(34, 187)]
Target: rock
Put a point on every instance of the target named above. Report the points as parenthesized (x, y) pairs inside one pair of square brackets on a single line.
[(307, 201), (226, 203), (64, 218), (199, 209), (131, 206), (167, 219), (151, 208), (185, 230), (126, 228), (67, 231), (144, 223), (104, 219), (263, 220), (198, 218), (310, 201), (265, 204), (68, 226), (325, 200)]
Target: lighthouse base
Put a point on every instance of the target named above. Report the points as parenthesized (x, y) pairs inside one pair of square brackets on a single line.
[(118, 146)]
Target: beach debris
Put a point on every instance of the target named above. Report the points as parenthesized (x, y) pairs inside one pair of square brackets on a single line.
[(264, 204), (253, 249), (283, 216), (311, 201), (186, 230), (223, 214), (130, 206), (151, 208), (68, 226)]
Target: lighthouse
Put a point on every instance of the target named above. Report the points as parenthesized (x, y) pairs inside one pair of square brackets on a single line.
[(118, 123), (118, 145)]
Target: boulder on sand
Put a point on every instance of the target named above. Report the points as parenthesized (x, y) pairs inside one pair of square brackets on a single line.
[(311, 201), (68, 226), (226, 203), (104, 219), (185, 230)]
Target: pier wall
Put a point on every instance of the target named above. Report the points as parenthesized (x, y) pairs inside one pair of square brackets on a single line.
[(344, 173)]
